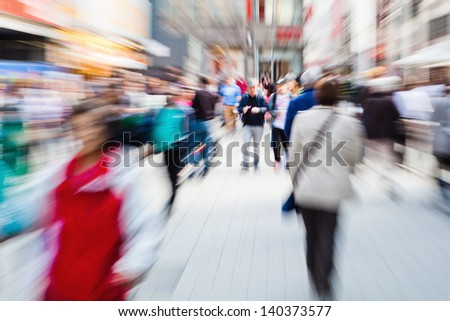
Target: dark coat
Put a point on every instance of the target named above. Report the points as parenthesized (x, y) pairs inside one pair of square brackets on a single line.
[(380, 117), (204, 104), (249, 118)]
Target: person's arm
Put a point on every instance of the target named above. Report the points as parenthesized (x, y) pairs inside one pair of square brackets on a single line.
[(295, 152), (195, 102), (242, 105), (290, 115), (238, 94), (263, 107), (143, 220), (271, 106)]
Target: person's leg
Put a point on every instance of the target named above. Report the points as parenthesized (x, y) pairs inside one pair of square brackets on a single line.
[(309, 219), (173, 163), (284, 141), (167, 161), (226, 118), (276, 141), (233, 118), (326, 227), (247, 138), (257, 135), (208, 146), (229, 118)]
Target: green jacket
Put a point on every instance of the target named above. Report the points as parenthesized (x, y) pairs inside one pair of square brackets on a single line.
[(168, 128)]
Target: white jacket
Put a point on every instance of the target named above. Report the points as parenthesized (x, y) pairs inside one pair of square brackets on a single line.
[(324, 184)]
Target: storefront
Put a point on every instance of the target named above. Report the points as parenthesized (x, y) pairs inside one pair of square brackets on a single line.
[(91, 54)]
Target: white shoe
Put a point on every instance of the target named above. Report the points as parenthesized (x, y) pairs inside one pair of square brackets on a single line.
[(283, 162)]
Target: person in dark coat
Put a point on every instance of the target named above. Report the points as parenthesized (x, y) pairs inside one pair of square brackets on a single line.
[(252, 108), (384, 128), (204, 105), (382, 119)]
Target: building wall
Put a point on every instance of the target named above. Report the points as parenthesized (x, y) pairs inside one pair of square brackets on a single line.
[(176, 43), (126, 18), (406, 29), (326, 33)]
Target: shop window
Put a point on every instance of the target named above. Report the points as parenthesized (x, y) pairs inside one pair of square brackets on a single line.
[(439, 27), (415, 7)]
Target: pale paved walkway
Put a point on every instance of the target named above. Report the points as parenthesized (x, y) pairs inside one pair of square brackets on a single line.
[(228, 240)]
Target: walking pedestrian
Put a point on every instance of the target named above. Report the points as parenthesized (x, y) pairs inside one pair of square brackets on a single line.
[(321, 185), (300, 103), (231, 94), (169, 135), (278, 105), (252, 108), (108, 227), (204, 105)]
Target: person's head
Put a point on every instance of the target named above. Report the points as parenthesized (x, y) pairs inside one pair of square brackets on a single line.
[(91, 123), (282, 87), (113, 92), (203, 81), (188, 93), (252, 85), (328, 94), (229, 80), (310, 77), (172, 93)]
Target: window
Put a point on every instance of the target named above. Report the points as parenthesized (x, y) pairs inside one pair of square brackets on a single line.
[(415, 7), (438, 27)]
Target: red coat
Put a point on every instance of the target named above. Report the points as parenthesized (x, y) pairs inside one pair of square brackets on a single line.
[(89, 240), (242, 85)]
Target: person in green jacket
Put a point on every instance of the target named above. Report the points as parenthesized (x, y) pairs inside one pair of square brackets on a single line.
[(167, 135)]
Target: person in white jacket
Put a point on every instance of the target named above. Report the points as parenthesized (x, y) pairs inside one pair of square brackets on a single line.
[(328, 145)]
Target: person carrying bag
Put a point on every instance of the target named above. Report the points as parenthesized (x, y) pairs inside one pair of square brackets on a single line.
[(322, 182)]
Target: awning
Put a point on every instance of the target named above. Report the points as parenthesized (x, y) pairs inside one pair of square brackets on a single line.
[(151, 46), (21, 25), (121, 62), (155, 48), (437, 55), (111, 61)]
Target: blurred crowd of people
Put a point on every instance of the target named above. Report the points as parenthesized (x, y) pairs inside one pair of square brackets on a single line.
[(109, 223)]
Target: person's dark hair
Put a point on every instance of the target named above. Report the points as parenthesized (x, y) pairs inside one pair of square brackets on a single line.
[(328, 93), (204, 80), (103, 112)]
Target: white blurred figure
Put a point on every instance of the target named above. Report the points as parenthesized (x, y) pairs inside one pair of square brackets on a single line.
[(381, 119)]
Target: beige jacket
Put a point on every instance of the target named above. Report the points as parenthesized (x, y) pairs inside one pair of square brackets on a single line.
[(324, 182)]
